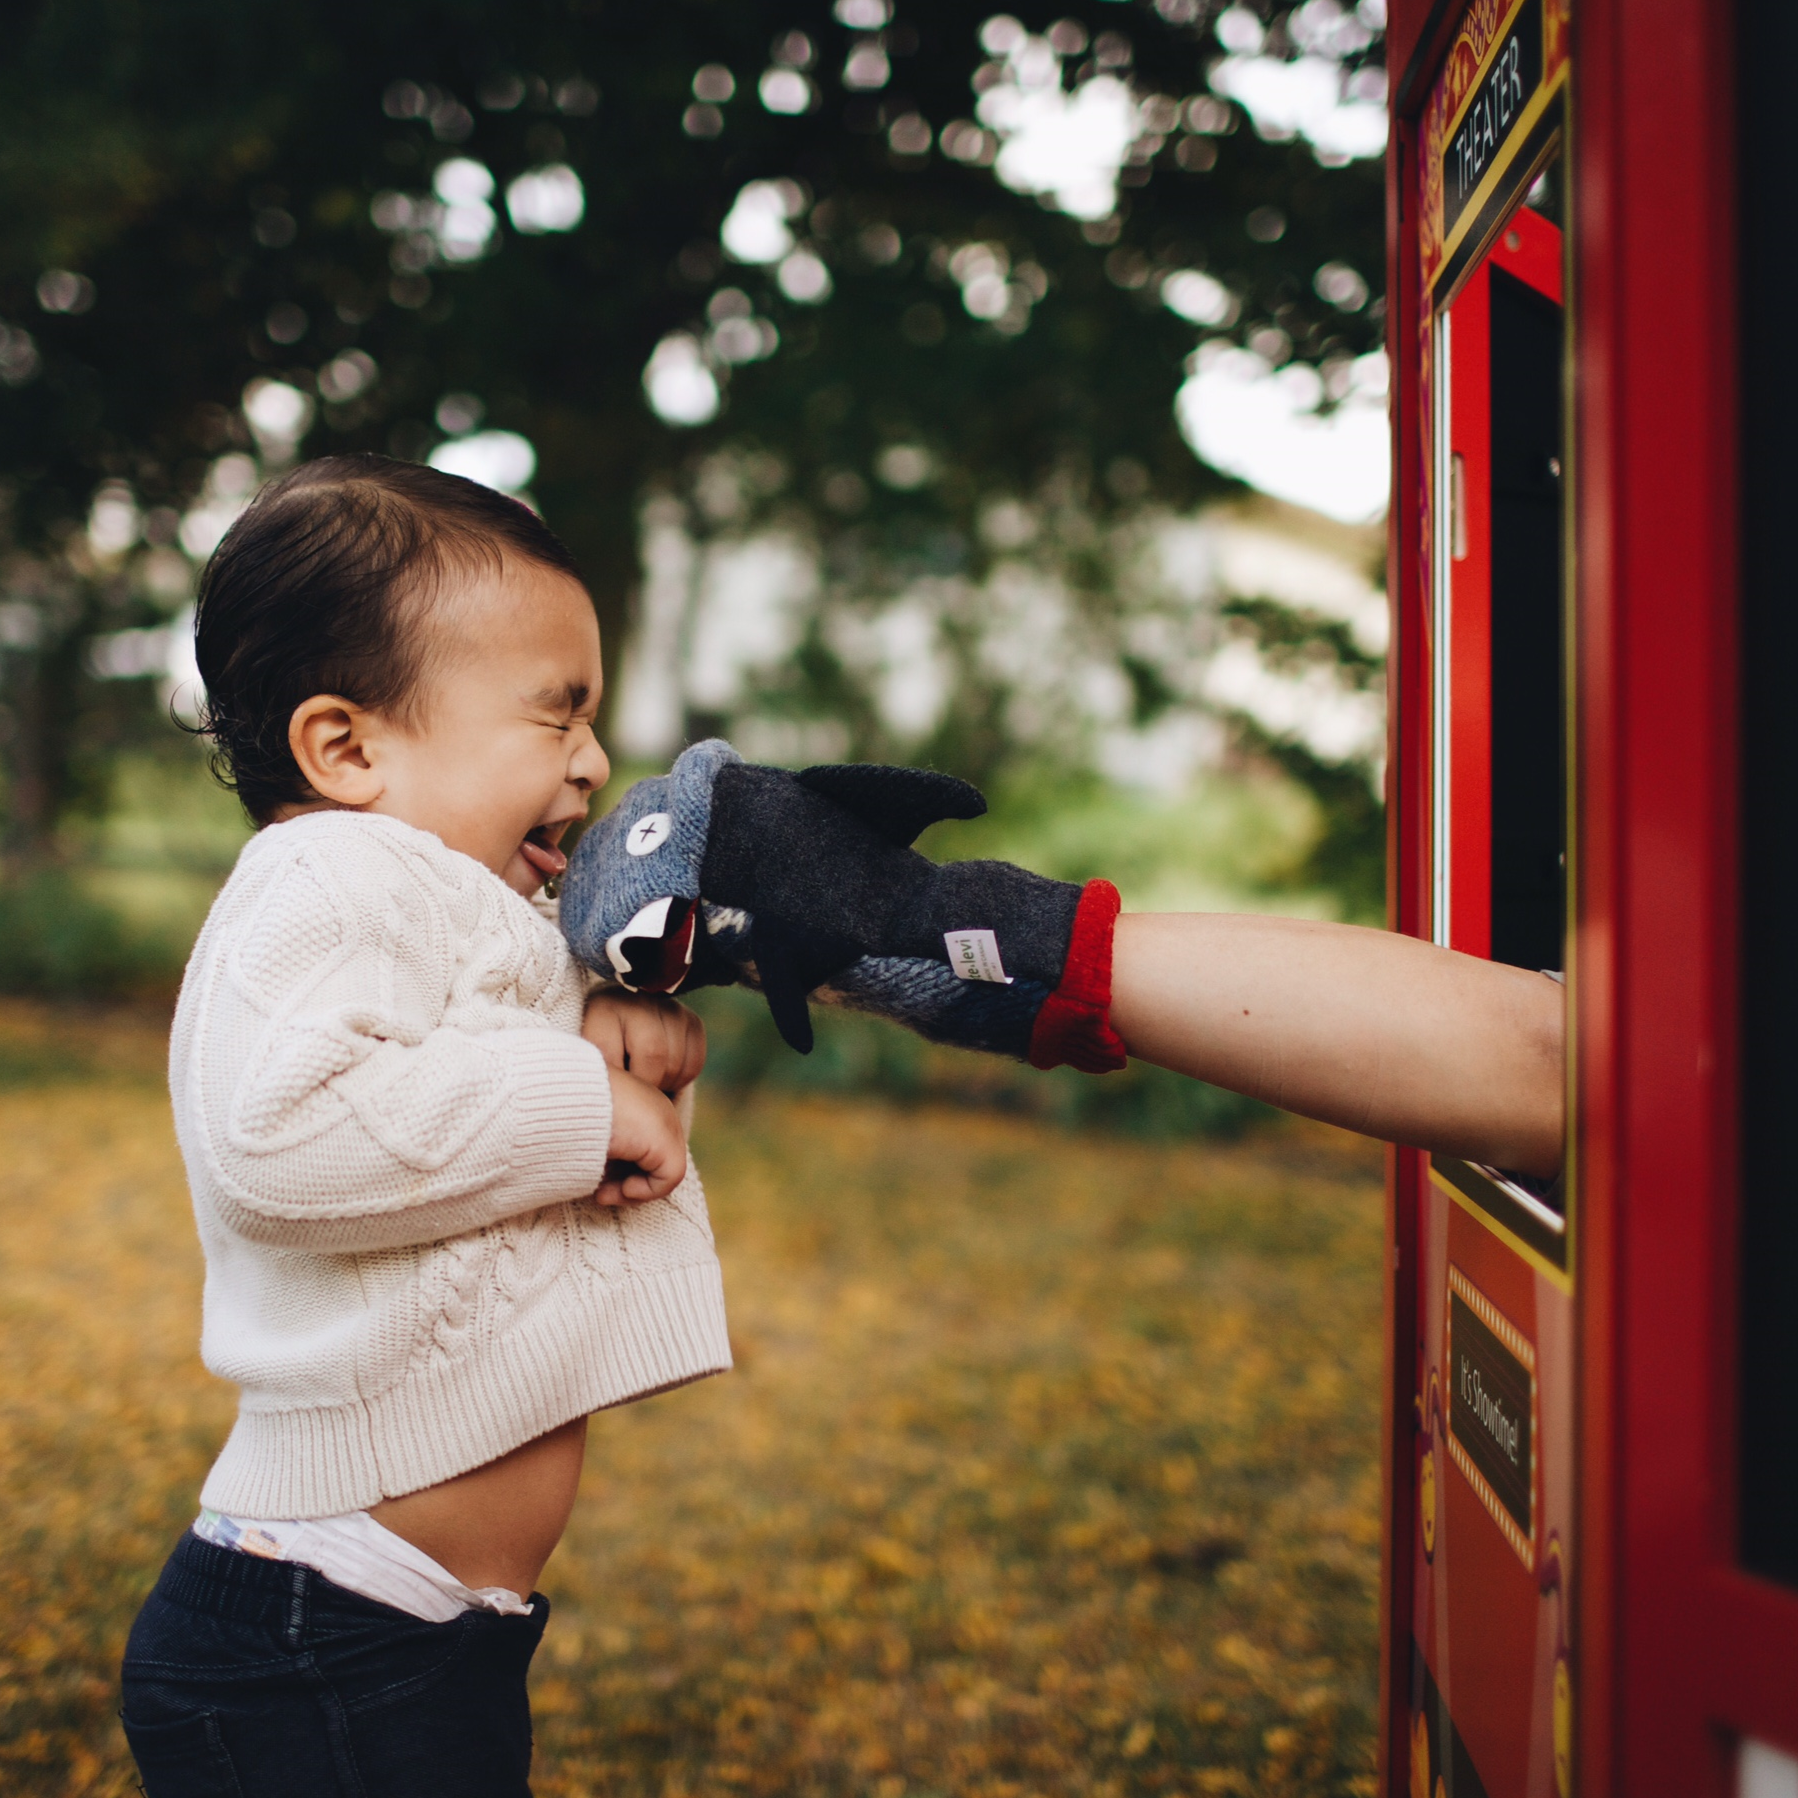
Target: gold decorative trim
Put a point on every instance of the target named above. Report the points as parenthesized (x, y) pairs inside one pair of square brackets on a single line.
[(1560, 1278)]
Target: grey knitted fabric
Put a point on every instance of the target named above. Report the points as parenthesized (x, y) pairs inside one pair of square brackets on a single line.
[(607, 885), (806, 887), (928, 997)]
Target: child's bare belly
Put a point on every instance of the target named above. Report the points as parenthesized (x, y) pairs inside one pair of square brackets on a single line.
[(496, 1525)]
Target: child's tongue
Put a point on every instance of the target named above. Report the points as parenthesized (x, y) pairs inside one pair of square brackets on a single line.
[(546, 858)]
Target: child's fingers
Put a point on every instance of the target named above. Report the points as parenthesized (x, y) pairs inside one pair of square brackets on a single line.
[(634, 1188), (655, 1173), (662, 1166), (623, 1186)]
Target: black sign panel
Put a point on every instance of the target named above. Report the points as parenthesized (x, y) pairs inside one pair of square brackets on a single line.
[(1489, 1409), (1498, 103)]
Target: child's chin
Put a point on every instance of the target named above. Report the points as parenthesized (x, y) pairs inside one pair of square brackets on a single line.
[(522, 878)]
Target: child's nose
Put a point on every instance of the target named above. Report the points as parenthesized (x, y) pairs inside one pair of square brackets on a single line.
[(588, 767)]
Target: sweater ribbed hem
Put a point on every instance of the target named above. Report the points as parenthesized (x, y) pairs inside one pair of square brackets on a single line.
[(620, 1342)]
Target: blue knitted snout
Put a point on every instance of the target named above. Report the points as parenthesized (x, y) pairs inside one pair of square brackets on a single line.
[(629, 859)]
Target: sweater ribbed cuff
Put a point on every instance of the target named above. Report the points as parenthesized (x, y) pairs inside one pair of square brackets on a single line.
[(561, 1115)]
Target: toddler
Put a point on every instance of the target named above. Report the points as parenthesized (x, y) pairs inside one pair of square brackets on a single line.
[(444, 1199)]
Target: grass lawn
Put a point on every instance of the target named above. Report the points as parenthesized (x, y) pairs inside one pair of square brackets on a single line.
[(1049, 1465)]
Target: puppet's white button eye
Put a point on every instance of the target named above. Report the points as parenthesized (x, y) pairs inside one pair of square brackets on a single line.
[(648, 834)]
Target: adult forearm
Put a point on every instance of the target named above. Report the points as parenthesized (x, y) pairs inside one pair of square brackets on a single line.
[(1376, 1032)]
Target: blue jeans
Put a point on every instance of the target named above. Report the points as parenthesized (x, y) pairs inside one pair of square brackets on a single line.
[(247, 1678)]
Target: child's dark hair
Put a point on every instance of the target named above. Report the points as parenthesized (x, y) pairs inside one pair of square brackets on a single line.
[(320, 587)]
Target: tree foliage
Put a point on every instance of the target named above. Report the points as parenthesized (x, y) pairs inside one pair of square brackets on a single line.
[(199, 194)]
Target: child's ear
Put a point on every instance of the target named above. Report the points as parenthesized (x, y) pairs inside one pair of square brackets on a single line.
[(331, 739)]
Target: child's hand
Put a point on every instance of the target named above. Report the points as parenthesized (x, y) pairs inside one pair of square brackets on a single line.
[(656, 1038), (647, 1157)]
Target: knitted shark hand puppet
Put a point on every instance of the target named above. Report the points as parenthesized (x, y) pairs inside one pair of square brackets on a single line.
[(805, 885)]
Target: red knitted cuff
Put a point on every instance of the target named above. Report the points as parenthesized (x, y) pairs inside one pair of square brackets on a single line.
[(1074, 1024)]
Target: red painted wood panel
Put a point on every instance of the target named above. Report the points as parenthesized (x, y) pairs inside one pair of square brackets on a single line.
[(1654, 360), (1677, 1651), (1530, 247)]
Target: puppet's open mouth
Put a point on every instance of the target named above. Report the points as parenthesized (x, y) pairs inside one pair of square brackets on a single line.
[(653, 953), (539, 849)]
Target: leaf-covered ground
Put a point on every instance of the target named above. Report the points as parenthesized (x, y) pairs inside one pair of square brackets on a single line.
[(1049, 1466)]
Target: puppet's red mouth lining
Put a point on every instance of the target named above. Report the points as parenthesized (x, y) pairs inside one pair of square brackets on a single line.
[(653, 953)]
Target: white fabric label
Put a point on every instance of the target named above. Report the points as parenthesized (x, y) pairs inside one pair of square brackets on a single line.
[(974, 955), (648, 834)]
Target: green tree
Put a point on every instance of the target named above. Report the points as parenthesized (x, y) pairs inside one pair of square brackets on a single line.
[(198, 195)]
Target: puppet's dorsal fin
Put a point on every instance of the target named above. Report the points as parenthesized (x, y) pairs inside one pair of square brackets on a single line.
[(897, 802)]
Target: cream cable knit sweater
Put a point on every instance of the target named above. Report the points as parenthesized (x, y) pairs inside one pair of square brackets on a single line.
[(391, 1125)]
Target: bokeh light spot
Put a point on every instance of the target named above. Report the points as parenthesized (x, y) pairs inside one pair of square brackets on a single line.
[(347, 374), (682, 390), (577, 97), (755, 229), (286, 322), (1342, 286), (1199, 297), (502, 460), (910, 135), (785, 90), (803, 277), (546, 199), (279, 415), (714, 82), (62, 290), (867, 67), (905, 467), (459, 413)]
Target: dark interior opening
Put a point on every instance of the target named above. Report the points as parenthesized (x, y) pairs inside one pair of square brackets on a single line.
[(1529, 817), (1767, 31)]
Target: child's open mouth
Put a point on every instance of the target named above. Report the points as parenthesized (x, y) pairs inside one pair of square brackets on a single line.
[(539, 849)]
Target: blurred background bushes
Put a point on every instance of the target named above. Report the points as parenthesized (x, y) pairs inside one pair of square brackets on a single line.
[(859, 1055)]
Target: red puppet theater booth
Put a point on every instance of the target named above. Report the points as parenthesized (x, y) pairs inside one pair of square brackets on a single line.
[(1592, 1418)]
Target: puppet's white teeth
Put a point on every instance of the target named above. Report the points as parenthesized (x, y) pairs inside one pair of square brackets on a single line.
[(651, 922)]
